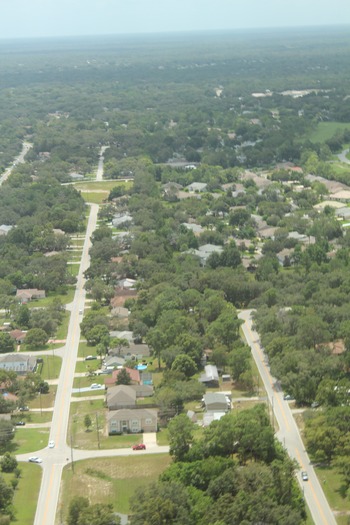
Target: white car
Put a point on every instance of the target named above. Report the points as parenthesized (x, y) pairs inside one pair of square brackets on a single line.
[(95, 386), (35, 459), (51, 444)]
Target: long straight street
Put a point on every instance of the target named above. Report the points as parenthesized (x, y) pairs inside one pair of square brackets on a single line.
[(288, 432)]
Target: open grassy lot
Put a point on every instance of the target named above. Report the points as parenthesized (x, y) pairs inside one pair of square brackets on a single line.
[(32, 417), (83, 382), (326, 130), (94, 196), (334, 490), (50, 367), (87, 366), (65, 298), (88, 439), (86, 349), (95, 185), (26, 493), (29, 440), (47, 400), (74, 269), (111, 480)]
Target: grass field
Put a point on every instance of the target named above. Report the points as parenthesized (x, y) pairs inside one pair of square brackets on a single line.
[(100, 185), (95, 197), (334, 490), (88, 439), (51, 366), (32, 417), (111, 480), (30, 439), (326, 130), (26, 493)]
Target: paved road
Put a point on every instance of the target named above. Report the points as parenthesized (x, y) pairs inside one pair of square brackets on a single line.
[(342, 156), (18, 160), (99, 174), (288, 432)]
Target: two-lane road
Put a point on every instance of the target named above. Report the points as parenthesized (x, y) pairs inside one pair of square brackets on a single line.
[(288, 432)]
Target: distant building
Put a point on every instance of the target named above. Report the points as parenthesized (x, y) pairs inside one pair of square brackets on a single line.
[(197, 187)]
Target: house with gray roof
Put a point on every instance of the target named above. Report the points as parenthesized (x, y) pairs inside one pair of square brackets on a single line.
[(120, 396), (133, 421), (210, 377), (216, 402), (19, 363)]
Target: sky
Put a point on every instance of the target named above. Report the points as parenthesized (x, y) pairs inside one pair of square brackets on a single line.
[(52, 18)]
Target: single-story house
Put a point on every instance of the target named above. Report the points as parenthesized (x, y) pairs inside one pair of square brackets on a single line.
[(127, 284), (134, 421), (302, 238), (210, 376), (343, 213), (26, 295), (205, 251), (196, 187), (121, 218), (133, 373), (195, 228), (19, 363), (120, 396), (18, 335), (216, 402), (5, 228), (113, 361)]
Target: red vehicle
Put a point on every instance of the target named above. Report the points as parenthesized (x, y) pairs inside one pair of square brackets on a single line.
[(140, 446)]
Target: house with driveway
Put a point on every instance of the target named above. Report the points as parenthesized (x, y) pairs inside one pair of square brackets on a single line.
[(125, 396)]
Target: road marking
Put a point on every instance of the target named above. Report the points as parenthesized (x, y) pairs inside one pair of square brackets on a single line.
[(319, 506), (49, 493), (269, 377)]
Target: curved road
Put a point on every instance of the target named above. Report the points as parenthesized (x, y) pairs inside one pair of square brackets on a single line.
[(288, 432)]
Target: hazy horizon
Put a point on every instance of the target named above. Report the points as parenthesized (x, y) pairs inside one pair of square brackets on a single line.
[(71, 18)]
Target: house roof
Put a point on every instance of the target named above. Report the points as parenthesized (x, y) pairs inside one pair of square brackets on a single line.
[(121, 395), (132, 413), (215, 397), (134, 376)]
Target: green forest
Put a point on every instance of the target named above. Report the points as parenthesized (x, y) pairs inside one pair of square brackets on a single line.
[(235, 152)]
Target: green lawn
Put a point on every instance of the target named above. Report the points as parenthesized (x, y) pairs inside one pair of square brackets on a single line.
[(51, 366), (29, 439), (333, 487), (73, 269), (87, 366), (88, 439), (26, 493), (100, 185), (51, 296), (33, 417), (94, 197), (326, 130), (111, 480)]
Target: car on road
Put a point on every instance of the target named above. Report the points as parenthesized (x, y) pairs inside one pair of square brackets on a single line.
[(304, 476), (20, 423), (81, 312), (51, 444), (35, 459), (90, 357), (139, 446), (95, 386), (24, 409)]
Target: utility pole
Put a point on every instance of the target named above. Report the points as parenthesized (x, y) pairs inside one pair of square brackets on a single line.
[(98, 431), (71, 452)]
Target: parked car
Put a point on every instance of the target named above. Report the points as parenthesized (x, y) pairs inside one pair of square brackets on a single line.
[(20, 423), (139, 446), (90, 357), (288, 397), (35, 459), (23, 409), (304, 476), (51, 444), (95, 386)]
